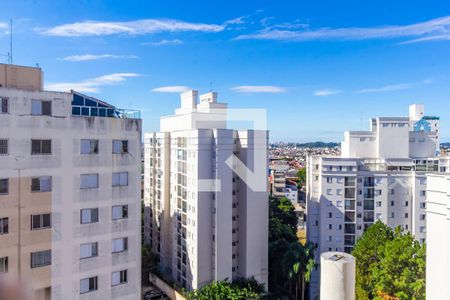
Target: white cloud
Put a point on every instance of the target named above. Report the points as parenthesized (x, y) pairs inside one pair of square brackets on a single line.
[(171, 89), (427, 30), (326, 92), (91, 85), (4, 29), (441, 37), (235, 21), (138, 27), (388, 88), (86, 57), (259, 89), (163, 43)]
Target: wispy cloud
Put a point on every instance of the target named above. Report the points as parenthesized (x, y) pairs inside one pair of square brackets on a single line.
[(4, 29), (171, 89), (326, 92), (91, 85), (440, 37), (163, 43), (388, 88), (87, 57), (235, 21), (259, 89), (138, 27), (424, 31)]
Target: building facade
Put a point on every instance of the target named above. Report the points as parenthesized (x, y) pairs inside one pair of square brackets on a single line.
[(438, 239), (69, 192), (380, 175), (203, 220)]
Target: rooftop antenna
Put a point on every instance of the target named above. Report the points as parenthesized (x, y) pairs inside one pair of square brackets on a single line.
[(361, 121), (210, 86)]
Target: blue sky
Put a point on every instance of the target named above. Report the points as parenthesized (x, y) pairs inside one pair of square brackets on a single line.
[(316, 66)]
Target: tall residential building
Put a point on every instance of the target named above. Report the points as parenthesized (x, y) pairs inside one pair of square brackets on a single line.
[(380, 175), (69, 191), (203, 234), (438, 238)]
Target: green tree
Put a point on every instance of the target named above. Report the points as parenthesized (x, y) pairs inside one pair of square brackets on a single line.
[(301, 175), (401, 272), (299, 262), (221, 290), (283, 210), (369, 251), (150, 262), (390, 264)]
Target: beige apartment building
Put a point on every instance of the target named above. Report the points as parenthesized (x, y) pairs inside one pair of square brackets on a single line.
[(69, 191)]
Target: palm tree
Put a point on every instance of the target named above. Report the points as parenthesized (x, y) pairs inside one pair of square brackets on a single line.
[(308, 263), (299, 262)]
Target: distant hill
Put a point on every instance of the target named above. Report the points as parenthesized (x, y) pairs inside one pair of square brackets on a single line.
[(318, 145), (311, 145), (445, 145)]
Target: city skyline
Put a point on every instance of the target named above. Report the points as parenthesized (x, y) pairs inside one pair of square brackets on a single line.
[(299, 61)]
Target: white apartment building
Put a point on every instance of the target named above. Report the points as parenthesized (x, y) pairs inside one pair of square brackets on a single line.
[(204, 234), (380, 175), (69, 191), (438, 238)]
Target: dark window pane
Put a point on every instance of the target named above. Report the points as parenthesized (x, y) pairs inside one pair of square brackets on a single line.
[(76, 111), (46, 220), (46, 146), (35, 184), (46, 108), (4, 186), (36, 222), (85, 111), (77, 100), (35, 146)]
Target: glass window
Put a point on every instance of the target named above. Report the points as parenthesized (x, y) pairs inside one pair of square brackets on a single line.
[(89, 215), (3, 265), (41, 184), (120, 179), (4, 225), (119, 277), (4, 146), (39, 107), (119, 245), (88, 285), (4, 105), (41, 258), (119, 212), (4, 185), (89, 181), (88, 250), (89, 146), (42, 221), (41, 147), (120, 146)]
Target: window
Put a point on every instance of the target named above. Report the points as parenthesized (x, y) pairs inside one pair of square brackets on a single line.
[(88, 250), (406, 215), (119, 277), (120, 245), (330, 226), (41, 221), (423, 205), (120, 147), (88, 285), (422, 217), (330, 215), (88, 215), (4, 265), (39, 108), (41, 147), (89, 146), (119, 212), (4, 225), (329, 180), (41, 184), (423, 193), (89, 181), (4, 108), (41, 258), (4, 147), (120, 179), (4, 184)]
